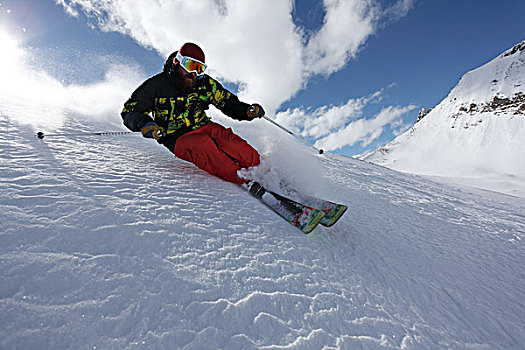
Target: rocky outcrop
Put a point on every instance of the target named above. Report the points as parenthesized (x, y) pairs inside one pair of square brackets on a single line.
[(422, 113), (519, 47), (499, 104)]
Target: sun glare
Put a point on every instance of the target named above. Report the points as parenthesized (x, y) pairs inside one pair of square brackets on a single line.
[(11, 55)]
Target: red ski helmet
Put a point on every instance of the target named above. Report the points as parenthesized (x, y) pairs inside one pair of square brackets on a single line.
[(192, 50), (188, 50)]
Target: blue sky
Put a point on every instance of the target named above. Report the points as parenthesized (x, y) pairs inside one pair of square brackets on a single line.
[(348, 90)]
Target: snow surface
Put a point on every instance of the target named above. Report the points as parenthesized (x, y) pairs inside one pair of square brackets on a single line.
[(113, 243), (464, 139)]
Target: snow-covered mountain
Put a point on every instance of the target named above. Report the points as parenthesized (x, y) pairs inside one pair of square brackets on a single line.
[(112, 243), (475, 135)]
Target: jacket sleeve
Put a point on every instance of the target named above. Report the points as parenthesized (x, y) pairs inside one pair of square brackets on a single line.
[(228, 103), (137, 108)]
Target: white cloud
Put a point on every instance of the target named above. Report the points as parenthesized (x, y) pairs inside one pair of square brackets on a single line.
[(336, 126), (325, 119), (364, 130), (346, 27), (397, 11), (253, 43), (250, 43)]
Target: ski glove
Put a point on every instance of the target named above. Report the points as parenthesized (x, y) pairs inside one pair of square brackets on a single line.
[(153, 131), (255, 111)]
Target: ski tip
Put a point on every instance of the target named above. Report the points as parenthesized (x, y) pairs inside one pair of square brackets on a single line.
[(333, 215), (315, 217)]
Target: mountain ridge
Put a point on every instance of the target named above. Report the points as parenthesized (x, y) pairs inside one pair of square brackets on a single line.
[(475, 132)]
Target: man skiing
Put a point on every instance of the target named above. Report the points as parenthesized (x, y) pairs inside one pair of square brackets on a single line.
[(177, 99)]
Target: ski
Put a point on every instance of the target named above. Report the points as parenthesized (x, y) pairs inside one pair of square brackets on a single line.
[(304, 217), (333, 211)]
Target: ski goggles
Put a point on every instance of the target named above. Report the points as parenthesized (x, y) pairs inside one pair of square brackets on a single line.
[(191, 65)]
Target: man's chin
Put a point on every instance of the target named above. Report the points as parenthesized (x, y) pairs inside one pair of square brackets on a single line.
[(189, 83)]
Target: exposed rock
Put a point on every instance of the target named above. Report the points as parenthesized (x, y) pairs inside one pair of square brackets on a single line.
[(497, 105), (498, 102), (383, 150), (422, 113), (519, 47)]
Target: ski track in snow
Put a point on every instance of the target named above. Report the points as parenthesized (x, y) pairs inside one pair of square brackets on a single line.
[(112, 243)]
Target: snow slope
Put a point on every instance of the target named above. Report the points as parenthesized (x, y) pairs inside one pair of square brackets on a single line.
[(475, 135), (112, 243)]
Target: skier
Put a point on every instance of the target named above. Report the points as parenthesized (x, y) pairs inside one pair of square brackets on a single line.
[(177, 99)]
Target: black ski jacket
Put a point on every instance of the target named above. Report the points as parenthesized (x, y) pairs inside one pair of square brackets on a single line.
[(179, 112)]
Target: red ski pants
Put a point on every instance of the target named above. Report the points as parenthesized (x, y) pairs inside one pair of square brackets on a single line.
[(217, 150)]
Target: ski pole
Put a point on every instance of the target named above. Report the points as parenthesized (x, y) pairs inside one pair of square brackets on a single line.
[(320, 150), (41, 135)]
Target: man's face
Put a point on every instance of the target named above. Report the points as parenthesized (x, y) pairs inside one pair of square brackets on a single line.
[(189, 79)]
